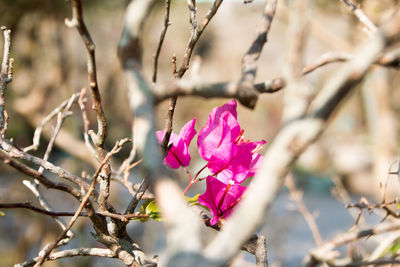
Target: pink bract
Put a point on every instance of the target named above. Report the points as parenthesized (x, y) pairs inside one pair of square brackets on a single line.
[(178, 154), (221, 198), (221, 124)]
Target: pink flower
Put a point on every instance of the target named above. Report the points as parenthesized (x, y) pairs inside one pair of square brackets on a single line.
[(221, 143), (221, 126), (178, 154), (221, 198)]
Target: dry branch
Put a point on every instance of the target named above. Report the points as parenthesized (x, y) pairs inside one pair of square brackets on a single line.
[(5, 77)]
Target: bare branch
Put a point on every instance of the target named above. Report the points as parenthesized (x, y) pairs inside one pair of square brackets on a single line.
[(297, 196), (47, 119), (5, 76), (361, 16), (161, 41), (34, 187), (325, 252), (249, 96), (99, 252), (99, 138)]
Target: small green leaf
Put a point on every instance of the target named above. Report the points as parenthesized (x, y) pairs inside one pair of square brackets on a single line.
[(192, 200), (393, 249), (153, 211), (2, 213)]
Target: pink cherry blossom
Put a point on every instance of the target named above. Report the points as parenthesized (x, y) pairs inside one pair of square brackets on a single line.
[(221, 198), (178, 154)]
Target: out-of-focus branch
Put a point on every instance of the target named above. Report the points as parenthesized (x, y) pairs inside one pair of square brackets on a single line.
[(99, 138), (297, 95), (292, 140), (246, 91), (297, 196), (5, 77), (361, 16), (326, 252)]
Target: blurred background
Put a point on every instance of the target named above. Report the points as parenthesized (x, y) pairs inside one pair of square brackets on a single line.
[(357, 151)]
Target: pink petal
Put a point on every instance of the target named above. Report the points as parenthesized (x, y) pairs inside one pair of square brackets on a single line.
[(211, 140), (178, 155), (188, 132), (215, 191)]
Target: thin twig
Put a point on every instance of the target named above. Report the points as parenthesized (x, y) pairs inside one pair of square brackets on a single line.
[(324, 253), (60, 120), (161, 41), (297, 196), (249, 60), (99, 252), (86, 123), (47, 119), (361, 16), (34, 187)]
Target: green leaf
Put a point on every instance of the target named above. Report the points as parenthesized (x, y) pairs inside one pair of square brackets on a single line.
[(192, 200), (393, 249), (152, 211)]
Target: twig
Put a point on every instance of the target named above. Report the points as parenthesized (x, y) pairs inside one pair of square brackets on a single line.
[(34, 187), (324, 253), (16, 153), (161, 41), (86, 123), (47, 119), (297, 196), (28, 205), (5, 76), (361, 16), (100, 252), (370, 263), (99, 138), (60, 120), (249, 60), (137, 197), (196, 31), (297, 95)]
